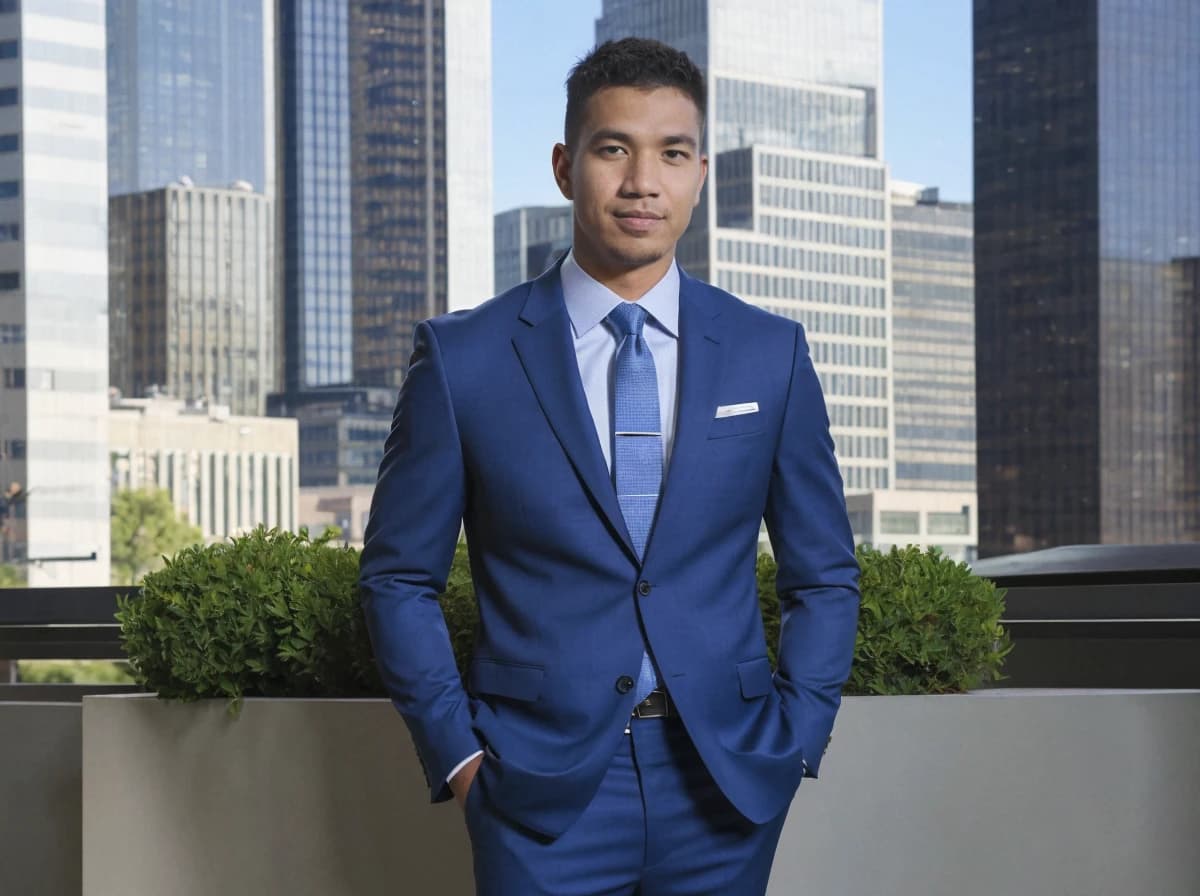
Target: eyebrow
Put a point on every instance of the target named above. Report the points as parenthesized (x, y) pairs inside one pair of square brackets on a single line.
[(622, 137)]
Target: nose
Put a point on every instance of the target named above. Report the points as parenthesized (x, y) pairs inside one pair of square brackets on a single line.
[(641, 176)]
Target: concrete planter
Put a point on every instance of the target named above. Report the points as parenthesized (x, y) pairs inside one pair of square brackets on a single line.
[(39, 798), (988, 795)]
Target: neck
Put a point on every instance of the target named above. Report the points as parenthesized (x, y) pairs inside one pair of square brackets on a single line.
[(628, 283)]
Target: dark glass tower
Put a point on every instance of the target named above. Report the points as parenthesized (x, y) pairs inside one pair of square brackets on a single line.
[(398, 127), (1087, 191)]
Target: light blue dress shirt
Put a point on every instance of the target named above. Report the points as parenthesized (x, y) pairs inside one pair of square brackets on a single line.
[(588, 303)]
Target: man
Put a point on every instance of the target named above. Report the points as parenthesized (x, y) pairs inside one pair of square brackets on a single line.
[(612, 434)]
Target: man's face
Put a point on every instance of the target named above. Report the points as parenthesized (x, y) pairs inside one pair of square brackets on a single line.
[(634, 175)]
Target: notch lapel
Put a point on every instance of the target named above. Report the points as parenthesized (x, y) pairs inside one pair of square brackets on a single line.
[(701, 358), (547, 353)]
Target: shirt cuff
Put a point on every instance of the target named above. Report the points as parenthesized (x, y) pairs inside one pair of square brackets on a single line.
[(458, 768)]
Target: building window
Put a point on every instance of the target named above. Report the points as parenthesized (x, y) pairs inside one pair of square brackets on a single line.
[(899, 522), (950, 523), (9, 6), (12, 334), (8, 96), (14, 377), (10, 232), (10, 280), (10, 142), (10, 189), (8, 49), (12, 449)]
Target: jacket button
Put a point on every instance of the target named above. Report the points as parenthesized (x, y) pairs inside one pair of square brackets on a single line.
[(644, 588), (624, 684)]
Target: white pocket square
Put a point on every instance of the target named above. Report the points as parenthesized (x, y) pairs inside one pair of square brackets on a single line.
[(735, 410)]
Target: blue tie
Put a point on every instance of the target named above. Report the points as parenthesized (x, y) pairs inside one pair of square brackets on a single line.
[(637, 442)]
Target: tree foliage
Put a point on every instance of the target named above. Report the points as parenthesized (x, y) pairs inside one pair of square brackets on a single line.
[(146, 527)]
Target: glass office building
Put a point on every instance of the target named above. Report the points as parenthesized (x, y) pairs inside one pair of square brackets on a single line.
[(529, 240), (314, 193), (795, 214), (1087, 167), (933, 339), (193, 296), (54, 517), (191, 89), (420, 142)]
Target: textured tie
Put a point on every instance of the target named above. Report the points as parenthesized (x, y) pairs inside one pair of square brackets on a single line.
[(637, 442)]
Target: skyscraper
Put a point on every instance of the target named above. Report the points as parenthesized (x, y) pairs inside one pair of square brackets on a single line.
[(54, 513), (314, 193), (795, 214), (191, 88), (528, 240), (1087, 211), (933, 339), (386, 189), (420, 125), (192, 295)]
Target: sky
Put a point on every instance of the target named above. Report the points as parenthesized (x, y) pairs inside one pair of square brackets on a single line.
[(926, 86)]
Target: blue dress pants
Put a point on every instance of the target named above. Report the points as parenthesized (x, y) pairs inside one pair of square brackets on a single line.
[(658, 826)]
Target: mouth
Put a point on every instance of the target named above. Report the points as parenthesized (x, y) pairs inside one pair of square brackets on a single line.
[(638, 220)]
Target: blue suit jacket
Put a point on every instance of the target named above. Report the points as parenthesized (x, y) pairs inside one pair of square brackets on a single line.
[(492, 429)]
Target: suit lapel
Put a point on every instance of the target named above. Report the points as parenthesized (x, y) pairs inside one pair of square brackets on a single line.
[(547, 352), (701, 358)]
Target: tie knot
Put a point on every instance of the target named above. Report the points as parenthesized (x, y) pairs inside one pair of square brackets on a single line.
[(628, 318)]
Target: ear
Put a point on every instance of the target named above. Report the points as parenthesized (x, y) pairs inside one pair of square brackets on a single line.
[(560, 161), (703, 178)]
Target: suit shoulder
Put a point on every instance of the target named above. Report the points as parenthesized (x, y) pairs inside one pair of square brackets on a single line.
[(743, 315), (488, 318)]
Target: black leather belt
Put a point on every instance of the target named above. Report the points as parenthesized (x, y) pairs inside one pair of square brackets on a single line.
[(657, 705)]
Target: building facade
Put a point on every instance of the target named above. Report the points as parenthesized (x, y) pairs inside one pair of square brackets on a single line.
[(342, 431), (1087, 210), (193, 295), (53, 292), (191, 93), (314, 193), (890, 518), (529, 240), (933, 340), (795, 213), (226, 474), (421, 194)]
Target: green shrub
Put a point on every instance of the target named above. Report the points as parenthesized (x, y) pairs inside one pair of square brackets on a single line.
[(927, 624), (275, 614), (266, 614), (74, 672)]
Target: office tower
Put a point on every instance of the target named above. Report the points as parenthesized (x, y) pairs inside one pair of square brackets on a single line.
[(933, 340), (314, 193), (421, 193), (54, 514), (385, 173), (192, 295), (225, 473), (529, 240), (1087, 227), (191, 93), (795, 213)]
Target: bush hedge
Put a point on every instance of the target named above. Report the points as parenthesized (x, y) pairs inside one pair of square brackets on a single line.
[(276, 614)]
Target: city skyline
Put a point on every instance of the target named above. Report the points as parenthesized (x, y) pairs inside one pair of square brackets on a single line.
[(927, 94)]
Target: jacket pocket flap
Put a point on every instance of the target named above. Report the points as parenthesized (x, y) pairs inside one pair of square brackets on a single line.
[(755, 677), (737, 425), (505, 679)]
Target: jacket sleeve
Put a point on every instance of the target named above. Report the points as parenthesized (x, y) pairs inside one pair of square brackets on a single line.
[(818, 574), (413, 527)]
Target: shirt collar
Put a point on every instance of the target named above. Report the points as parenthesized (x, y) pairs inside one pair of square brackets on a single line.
[(590, 301)]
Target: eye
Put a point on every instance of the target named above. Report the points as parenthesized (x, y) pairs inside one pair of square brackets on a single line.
[(676, 155), (610, 150)]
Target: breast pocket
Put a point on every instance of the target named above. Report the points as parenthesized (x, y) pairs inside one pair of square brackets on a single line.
[(739, 425)]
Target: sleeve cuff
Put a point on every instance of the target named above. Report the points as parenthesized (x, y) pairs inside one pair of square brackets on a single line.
[(458, 768)]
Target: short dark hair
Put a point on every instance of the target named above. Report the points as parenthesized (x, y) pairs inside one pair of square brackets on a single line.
[(630, 62)]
